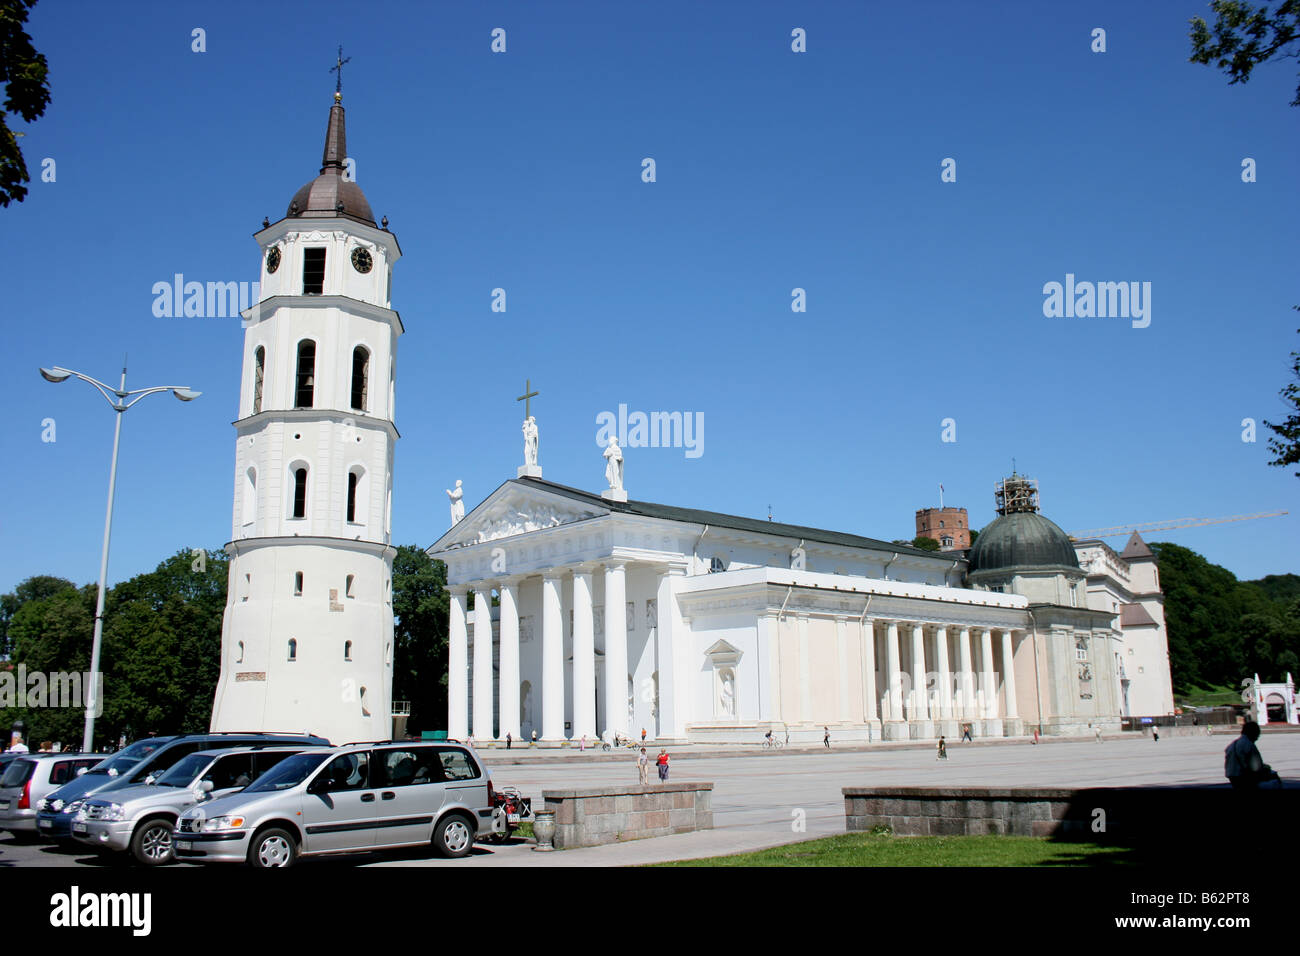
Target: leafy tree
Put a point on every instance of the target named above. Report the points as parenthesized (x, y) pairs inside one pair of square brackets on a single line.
[(1287, 443), (924, 543), (50, 630), (34, 588), (420, 611), (23, 72), (1245, 35)]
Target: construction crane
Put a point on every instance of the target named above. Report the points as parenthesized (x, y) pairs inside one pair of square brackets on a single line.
[(1126, 529)]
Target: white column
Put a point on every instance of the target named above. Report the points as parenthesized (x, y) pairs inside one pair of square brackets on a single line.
[(842, 661), (805, 677), (869, 668), (986, 677), (457, 669), (945, 674), (895, 672), (483, 663), (584, 658), (508, 684), (616, 647), (967, 674), (1009, 673), (920, 709), (552, 661)]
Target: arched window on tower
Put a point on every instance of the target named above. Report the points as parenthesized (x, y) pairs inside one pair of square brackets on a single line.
[(293, 649), (305, 386), (259, 375), (360, 377), (358, 496), (300, 492), (347, 650)]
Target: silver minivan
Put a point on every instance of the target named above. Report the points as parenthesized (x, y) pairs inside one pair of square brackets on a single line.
[(28, 778), (355, 798), (141, 818)]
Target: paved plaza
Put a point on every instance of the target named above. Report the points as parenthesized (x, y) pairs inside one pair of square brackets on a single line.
[(758, 796)]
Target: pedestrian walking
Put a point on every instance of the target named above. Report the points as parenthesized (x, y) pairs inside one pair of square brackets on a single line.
[(582, 745), (662, 762), (508, 740), (868, 733), (642, 735), (1097, 731), (1035, 735), (943, 750), (965, 734), (534, 741), (827, 738), (643, 767), (1155, 735)]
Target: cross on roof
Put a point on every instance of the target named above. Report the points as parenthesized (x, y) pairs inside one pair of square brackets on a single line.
[(526, 399), (338, 68)]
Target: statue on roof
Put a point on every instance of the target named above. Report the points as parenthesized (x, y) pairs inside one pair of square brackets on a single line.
[(457, 496), (614, 465)]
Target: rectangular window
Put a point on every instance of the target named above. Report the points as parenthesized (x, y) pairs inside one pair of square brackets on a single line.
[(313, 271), (297, 584), (348, 589), (457, 765)]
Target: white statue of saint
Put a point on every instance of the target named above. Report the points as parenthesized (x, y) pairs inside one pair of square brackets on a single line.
[(728, 696), (614, 465), (530, 441), (457, 503)]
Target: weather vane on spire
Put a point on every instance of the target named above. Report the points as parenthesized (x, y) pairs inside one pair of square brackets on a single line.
[(338, 68)]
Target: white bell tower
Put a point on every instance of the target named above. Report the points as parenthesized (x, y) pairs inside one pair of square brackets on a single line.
[(307, 640)]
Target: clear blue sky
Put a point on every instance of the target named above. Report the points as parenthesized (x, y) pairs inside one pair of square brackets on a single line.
[(775, 170)]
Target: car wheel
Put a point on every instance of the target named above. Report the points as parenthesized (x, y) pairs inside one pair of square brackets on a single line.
[(454, 836), (273, 848), (152, 843)]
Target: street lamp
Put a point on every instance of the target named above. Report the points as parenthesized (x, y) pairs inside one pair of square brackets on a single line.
[(121, 400)]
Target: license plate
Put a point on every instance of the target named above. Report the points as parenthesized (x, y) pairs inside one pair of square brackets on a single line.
[(79, 828), (512, 817), (183, 844), (45, 823)]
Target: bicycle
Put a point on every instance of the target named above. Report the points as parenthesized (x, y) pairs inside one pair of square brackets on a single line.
[(772, 743)]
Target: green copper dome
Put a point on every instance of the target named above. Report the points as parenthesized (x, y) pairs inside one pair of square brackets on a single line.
[(1022, 540)]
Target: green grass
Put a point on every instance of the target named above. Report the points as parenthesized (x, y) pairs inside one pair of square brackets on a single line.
[(866, 849), (1213, 696)]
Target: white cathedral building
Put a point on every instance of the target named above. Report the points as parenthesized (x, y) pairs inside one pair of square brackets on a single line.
[(307, 639), (615, 615)]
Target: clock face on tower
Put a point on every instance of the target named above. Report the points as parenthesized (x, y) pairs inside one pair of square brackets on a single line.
[(272, 260), (361, 260)]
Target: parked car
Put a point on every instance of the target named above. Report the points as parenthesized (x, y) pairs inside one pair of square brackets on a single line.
[(355, 798), (140, 818), (28, 778), (136, 764)]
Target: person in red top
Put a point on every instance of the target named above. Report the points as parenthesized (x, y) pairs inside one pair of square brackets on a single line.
[(662, 762)]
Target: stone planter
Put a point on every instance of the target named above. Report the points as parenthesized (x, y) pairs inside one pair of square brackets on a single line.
[(544, 829)]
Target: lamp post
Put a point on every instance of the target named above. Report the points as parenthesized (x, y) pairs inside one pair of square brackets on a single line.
[(121, 400)]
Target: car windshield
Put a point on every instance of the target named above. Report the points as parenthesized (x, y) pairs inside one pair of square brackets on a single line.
[(288, 773), (185, 770), (124, 760)]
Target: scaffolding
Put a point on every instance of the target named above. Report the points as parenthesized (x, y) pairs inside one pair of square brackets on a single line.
[(1016, 493)]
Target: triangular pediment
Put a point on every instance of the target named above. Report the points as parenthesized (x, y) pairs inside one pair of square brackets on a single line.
[(723, 653), (514, 509)]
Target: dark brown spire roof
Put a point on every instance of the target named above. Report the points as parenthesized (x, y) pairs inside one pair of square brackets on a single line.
[(329, 195), (1136, 548)]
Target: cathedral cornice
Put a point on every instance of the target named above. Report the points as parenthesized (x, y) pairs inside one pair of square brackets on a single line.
[(314, 415), (355, 227), (262, 311)]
